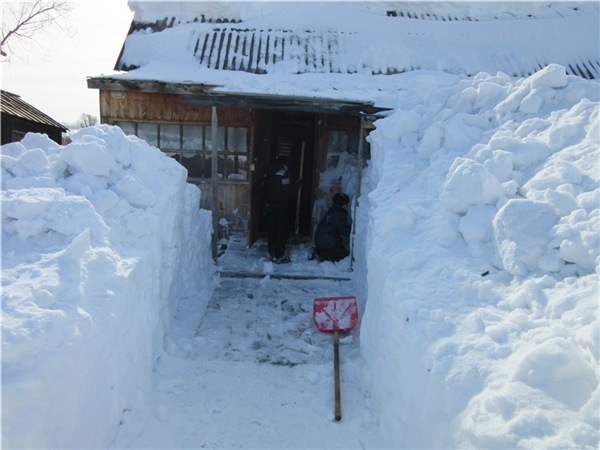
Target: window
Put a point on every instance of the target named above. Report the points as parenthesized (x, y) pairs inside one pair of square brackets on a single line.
[(17, 135), (340, 142), (191, 146), (148, 132), (127, 127), (170, 137)]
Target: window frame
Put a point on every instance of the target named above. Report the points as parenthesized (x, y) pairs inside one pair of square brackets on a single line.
[(241, 169)]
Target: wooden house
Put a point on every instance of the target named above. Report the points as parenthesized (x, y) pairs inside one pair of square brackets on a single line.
[(19, 118), (225, 133)]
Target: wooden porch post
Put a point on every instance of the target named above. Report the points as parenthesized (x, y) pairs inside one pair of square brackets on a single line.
[(214, 135), (358, 182)]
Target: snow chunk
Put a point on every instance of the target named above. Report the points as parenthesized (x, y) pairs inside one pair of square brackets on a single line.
[(560, 368), (467, 184), (580, 233), (476, 225), (522, 229), (498, 162), (31, 212), (89, 157), (31, 161), (39, 140), (136, 194), (553, 75)]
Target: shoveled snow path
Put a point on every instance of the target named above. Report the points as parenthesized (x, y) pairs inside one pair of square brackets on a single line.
[(254, 374)]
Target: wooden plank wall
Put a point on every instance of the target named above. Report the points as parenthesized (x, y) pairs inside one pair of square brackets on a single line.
[(233, 196), (233, 205), (166, 108)]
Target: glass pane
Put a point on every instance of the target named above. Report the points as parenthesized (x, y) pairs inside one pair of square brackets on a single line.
[(175, 156), (334, 142), (220, 137), (208, 139), (236, 167), (127, 127), (207, 169), (353, 142), (17, 135), (343, 141), (149, 133), (193, 162), (169, 136), (332, 161), (221, 167), (236, 139), (192, 137)]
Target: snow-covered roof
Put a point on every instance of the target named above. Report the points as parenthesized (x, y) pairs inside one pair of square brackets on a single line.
[(315, 54), (517, 38)]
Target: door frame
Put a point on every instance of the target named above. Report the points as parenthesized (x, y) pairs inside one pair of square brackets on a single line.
[(264, 149)]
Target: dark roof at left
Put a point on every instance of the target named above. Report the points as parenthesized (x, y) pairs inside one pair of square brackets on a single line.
[(13, 105)]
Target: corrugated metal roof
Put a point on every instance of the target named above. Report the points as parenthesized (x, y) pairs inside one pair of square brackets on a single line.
[(13, 105), (255, 50), (258, 51)]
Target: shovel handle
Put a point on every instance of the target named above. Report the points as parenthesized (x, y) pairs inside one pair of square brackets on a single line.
[(336, 370)]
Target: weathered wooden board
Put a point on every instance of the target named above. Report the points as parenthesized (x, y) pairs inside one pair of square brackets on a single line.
[(157, 107), (280, 276)]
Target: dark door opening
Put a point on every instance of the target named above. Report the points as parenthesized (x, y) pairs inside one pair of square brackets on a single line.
[(293, 137)]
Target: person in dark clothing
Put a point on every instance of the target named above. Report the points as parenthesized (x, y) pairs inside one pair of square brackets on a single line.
[(276, 191), (334, 226)]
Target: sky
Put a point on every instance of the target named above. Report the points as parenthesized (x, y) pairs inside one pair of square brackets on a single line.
[(87, 46)]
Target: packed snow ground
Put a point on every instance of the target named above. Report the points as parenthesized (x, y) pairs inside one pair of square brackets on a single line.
[(254, 363), (477, 253)]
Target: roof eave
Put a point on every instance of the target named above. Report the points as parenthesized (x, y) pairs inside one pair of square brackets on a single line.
[(204, 94)]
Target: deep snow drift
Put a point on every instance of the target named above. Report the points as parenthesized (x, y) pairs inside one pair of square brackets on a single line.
[(98, 239), (481, 258), (477, 255)]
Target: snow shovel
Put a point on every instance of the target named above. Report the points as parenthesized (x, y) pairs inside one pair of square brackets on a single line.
[(335, 314)]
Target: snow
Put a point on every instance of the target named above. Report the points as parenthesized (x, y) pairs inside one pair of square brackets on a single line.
[(469, 266), (91, 254), (477, 244), (360, 39)]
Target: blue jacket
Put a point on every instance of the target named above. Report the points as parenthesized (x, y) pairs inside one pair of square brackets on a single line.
[(333, 226)]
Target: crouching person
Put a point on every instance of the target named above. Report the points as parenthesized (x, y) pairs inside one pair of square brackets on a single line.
[(332, 230)]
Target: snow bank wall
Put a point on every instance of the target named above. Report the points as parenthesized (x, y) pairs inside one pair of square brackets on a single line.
[(481, 323), (98, 237)]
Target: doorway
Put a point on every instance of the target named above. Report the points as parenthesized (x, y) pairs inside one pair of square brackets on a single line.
[(290, 134), (293, 138), (315, 144)]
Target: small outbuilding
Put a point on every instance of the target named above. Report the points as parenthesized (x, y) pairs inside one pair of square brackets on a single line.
[(20, 118)]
